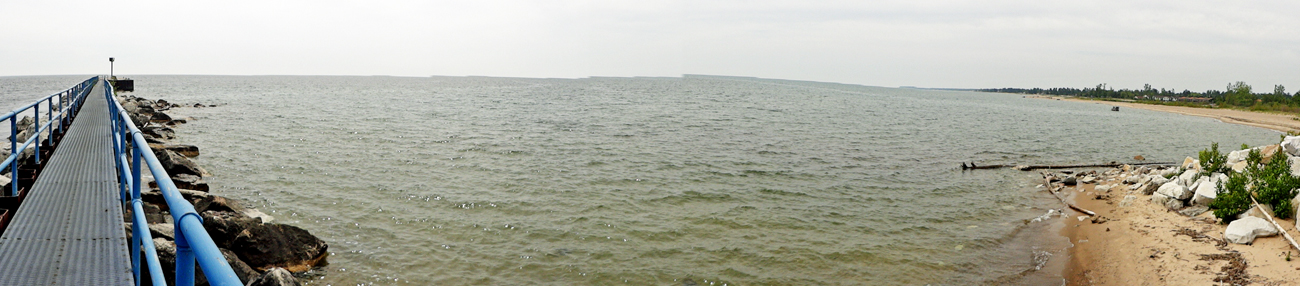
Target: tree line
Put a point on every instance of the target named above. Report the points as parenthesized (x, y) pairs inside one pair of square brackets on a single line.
[(1237, 94)]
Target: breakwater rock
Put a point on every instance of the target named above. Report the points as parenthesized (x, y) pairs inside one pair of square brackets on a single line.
[(260, 252)]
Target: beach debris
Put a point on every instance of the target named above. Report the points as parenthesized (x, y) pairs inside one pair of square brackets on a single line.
[(1245, 230), (1233, 273), (1278, 226)]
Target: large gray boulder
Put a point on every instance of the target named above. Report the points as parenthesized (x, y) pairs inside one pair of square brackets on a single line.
[(1291, 145), (1245, 230), (1188, 177), (1160, 199), (1174, 190), (1238, 156), (1257, 212), (1205, 193), (1153, 185), (1294, 162)]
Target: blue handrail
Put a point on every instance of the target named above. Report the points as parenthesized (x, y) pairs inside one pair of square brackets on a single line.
[(68, 100), (192, 241)]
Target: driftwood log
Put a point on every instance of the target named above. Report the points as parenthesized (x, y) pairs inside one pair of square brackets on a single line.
[(1278, 226), (1048, 182), (972, 166)]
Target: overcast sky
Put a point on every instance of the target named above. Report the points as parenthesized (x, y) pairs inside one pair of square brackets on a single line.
[(1179, 44)]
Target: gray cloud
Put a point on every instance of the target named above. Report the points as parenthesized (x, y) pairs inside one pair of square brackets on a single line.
[(1174, 44)]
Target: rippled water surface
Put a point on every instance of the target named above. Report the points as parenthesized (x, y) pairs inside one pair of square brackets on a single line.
[(652, 181)]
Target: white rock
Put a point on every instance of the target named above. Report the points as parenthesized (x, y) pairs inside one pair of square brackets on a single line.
[(1154, 185), (1257, 212), (1134, 179), (1160, 199), (1295, 165), (1188, 177), (1291, 145), (1168, 172), (1238, 156), (1128, 201), (1088, 179), (1205, 193), (1174, 190), (1103, 188), (1188, 162), (1174, 205), (1295, 205), (1239, 167), (1245, 230)]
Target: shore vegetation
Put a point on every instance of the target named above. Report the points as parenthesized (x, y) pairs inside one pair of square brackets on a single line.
[(1236, 95)]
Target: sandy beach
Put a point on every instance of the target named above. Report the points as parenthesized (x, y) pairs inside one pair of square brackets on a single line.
[(1142, 243), (1274, 121)]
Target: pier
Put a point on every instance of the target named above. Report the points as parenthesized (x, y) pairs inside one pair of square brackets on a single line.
[(65, 227)]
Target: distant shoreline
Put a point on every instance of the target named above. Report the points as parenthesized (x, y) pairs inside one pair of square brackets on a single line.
[(1274, 121)]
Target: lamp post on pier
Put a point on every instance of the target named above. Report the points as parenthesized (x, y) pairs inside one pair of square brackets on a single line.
[(110, 67)]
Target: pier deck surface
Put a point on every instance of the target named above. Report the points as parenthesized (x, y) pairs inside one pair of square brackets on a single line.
[(68, 230)]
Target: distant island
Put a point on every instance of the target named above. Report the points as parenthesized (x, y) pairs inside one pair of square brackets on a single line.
[(1238, 95)]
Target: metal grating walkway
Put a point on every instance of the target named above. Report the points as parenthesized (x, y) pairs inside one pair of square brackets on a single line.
[(68, 230)]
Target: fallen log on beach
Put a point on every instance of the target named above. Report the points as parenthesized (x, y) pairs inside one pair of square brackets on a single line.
[(972, 166), (1048, 183)]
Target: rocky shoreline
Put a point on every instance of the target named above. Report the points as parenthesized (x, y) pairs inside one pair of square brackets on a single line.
[(261, 252), (1157, 224)]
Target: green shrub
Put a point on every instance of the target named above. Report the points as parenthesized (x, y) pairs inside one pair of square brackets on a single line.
[(1274, 185), (1232, 199), (1211, 160)]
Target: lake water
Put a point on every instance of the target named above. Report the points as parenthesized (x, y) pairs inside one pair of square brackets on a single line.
[(653, 181)]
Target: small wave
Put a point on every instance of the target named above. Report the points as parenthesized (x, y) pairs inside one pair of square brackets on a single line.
[(1050, 213)]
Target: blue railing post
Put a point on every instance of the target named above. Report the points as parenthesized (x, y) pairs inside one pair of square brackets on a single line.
[(13, 151), (184, 259), (49, 118), (36, 131)]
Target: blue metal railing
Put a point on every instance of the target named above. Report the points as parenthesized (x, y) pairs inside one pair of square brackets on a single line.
[(67, 100), (192, 241)]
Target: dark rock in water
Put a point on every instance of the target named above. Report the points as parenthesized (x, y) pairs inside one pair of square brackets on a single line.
[(160, 117), (225, 226), (175, 122), (183, 149), (265, 246), (217, 203), (159, 132), (275, 277), (190, 182), (198, 105), (175, 164)]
